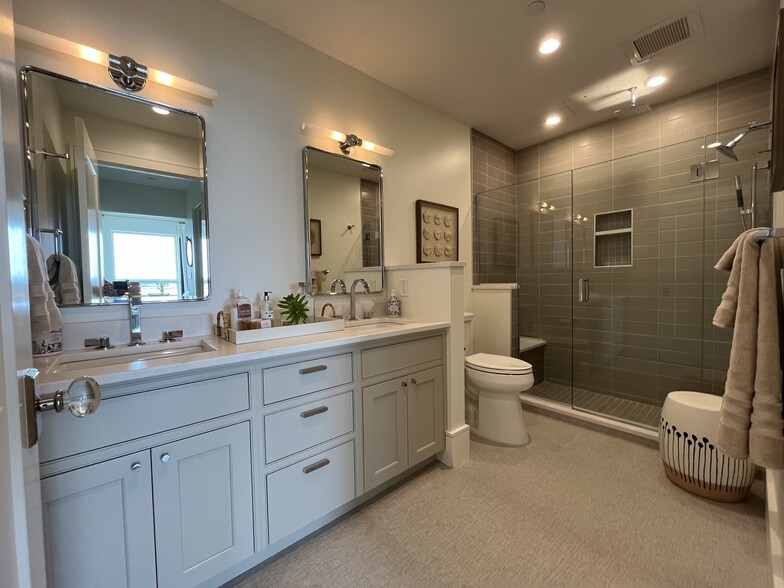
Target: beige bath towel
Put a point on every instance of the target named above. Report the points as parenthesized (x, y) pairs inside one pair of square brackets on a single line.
[(751, 423), (731, 261), (44, 314)]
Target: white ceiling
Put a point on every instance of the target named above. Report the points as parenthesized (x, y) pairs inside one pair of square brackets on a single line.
[(477, 60)]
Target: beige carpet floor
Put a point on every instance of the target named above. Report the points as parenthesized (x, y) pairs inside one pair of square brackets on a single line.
[(577, 507)]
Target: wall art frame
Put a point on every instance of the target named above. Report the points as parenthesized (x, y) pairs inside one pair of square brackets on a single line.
[(437, 232)]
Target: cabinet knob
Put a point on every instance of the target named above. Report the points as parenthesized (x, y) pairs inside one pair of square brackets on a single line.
[(165, 457), (404, 383), (136, 466), (413, 380)]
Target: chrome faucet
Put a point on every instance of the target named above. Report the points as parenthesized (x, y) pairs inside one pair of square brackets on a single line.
[(334, 283), (135, 306), (353, 312)]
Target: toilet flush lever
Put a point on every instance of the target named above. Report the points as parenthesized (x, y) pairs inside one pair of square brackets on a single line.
[(583, 290)]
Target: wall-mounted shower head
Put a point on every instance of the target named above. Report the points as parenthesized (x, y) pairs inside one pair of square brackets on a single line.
[(729, 149)]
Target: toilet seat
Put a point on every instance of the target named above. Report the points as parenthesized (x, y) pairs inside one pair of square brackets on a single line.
[(497, 364)]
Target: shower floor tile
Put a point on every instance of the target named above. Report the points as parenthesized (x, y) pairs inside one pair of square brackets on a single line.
[(630, 411)]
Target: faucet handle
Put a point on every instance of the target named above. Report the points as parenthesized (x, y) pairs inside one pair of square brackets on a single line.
[(171, 336), (99, 343)]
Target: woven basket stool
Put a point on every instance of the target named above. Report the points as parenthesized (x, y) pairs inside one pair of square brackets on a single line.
[(687, 436)]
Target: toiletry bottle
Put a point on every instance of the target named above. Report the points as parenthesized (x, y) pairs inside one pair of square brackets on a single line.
[(240, 311), (267, 314), (393, 305)]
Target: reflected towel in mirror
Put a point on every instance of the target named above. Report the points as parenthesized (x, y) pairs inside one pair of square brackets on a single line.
[(61, 271), (44, 314)]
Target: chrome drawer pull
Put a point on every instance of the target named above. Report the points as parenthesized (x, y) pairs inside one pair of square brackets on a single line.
[(313, 412), (312, 370), (136, 466), (316, 466)]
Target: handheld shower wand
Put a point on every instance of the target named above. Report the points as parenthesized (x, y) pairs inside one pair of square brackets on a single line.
[(741, 207)]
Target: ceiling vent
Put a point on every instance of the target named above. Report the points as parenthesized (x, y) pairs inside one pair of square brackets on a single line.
[(673, 31)]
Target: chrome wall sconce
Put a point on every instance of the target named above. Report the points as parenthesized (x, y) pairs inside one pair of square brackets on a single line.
[(126, 73), (346, 143)]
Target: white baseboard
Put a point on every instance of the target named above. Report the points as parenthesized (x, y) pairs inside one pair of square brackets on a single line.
[(458, 447)]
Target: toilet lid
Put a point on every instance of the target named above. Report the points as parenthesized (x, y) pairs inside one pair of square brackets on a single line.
[(497, 364)]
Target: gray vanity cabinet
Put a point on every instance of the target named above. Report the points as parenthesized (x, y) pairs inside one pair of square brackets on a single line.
[(403, 417), (203, 505), (198, 491), (98, 525)]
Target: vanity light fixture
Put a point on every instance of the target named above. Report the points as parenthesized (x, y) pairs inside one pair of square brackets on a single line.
[(127, 73), (159, 110), (347, 143)]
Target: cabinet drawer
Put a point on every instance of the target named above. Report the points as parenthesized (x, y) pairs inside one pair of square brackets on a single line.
[(301, 493), (390, 358), (289, 431), (124, 418), (304, 377)]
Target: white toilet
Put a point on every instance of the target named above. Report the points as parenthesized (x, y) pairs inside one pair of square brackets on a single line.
[(497, 382)]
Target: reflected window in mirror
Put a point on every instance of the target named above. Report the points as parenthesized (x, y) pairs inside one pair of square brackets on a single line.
[(344, 237), (123, 180)]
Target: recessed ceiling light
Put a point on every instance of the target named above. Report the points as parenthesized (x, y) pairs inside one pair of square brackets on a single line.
[(654, 81), (549, 45), (552, 120), (160, 110)]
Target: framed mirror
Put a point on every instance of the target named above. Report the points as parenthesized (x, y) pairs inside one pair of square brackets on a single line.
[(117, 191), (343, 221)]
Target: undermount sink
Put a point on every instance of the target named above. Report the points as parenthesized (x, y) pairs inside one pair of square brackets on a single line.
[(376, 324), (133, 357)]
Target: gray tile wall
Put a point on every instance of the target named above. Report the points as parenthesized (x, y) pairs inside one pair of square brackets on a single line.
[(647, 329), (493, 165)]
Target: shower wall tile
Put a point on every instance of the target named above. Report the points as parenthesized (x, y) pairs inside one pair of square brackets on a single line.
[(555, 156), (528, 164), (592, 145), (689, 116), (494, 169), (637, 134), (744, 99)]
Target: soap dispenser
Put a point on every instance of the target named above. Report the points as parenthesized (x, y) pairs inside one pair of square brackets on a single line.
[(240, 310), (267, 313), (393, 305)]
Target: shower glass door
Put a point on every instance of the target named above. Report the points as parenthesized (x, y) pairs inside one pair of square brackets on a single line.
[(637, 289)]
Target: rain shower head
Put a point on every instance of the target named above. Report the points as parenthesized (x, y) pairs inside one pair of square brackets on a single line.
[(728, 150)]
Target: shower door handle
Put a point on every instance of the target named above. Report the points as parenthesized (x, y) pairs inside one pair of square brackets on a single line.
[(583, 290)]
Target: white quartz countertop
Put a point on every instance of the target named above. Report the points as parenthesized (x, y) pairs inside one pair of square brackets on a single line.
[(226, 353)]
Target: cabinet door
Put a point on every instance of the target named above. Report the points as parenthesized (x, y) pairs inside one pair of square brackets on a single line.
[(425, 414), (203, 505), (98, 525), (385, 431)]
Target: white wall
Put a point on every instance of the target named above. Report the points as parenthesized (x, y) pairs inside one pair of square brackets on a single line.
[(267, 85)]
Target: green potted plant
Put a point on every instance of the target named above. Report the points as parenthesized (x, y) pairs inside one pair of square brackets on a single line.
[(294, 309)]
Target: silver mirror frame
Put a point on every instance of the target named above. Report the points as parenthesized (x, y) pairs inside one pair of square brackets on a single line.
[(306, 215), (28, 171)]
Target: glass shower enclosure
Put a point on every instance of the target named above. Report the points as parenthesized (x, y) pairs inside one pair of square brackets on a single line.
[(615, 270)]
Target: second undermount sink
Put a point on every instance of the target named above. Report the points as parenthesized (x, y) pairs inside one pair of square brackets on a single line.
[(379, 324), (133, 357)]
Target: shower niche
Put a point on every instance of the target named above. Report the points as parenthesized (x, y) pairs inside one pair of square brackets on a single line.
[(613, 239)]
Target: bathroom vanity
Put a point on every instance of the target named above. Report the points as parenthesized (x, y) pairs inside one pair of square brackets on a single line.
[(199, 467)]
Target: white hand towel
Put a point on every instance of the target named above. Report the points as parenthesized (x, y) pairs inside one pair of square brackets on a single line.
[(44, 314)]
